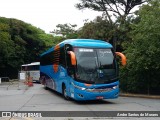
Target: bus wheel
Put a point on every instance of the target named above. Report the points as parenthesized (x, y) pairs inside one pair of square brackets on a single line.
[(45, 86), (65, 92)]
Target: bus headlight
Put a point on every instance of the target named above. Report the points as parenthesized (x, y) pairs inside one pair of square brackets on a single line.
[(81, 88), (115, 87)]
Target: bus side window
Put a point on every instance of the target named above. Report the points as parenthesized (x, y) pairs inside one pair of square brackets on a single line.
[(62, 61), (25, 68)]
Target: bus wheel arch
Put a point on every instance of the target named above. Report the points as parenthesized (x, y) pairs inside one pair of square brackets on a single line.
[(64, 91), (45, 84)]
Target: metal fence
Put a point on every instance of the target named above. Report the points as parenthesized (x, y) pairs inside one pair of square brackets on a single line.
[(4, 79)]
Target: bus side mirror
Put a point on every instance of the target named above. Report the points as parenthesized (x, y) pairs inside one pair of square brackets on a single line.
[(123, 58), (73, 57)]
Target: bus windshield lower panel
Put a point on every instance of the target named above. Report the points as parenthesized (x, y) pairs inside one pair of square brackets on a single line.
[(95, 65)]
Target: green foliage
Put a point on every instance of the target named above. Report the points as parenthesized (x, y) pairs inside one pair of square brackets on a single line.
[(20, 43), (98, 29), (67, 31), (143, 54), (58, 39), (117, 8), (117, 14)]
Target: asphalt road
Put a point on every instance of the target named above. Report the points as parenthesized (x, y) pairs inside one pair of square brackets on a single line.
[(19, 97)]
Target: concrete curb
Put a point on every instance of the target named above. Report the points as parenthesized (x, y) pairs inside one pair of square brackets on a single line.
[(140, 95)]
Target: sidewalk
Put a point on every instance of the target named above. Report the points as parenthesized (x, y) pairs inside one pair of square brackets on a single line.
[(140, 95)]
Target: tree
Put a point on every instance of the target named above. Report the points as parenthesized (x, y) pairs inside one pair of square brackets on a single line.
[(99, 28), (118, 8), (143, 69), (20, 43), (116, 13), (66, 31)]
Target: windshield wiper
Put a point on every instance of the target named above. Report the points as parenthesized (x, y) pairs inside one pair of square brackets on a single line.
[(85, 81)]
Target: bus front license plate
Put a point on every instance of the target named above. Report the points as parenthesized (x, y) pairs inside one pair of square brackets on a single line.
[(99, 97)]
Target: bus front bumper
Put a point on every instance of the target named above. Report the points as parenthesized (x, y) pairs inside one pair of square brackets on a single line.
[(94, 95)]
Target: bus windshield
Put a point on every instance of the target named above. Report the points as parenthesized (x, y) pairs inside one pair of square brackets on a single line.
[(95, 65)]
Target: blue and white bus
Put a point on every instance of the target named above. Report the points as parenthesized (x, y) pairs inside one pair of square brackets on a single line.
[(31, 70), (82, 69)]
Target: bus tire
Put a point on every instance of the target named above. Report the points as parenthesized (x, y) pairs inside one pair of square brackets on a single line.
[(64, 92), (45, 86)]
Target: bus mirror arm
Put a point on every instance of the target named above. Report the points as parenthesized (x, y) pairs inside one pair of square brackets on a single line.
[(123, 58), (73, 57)]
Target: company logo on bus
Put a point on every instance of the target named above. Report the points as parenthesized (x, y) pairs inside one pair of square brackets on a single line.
[(85, 50)]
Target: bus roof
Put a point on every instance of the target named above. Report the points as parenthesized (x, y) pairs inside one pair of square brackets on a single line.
[(90, 43), (34, 63), (87, 43)]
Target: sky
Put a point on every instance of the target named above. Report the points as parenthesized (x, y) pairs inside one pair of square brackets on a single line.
[(46, 14)]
